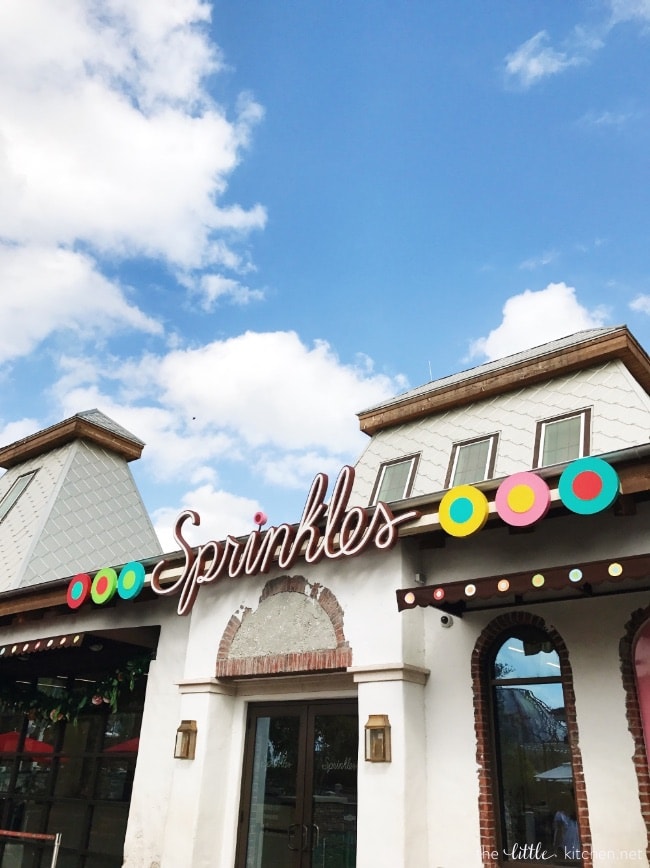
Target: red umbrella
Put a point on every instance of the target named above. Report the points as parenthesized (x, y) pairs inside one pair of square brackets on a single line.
[(9, 742), (130, 746)]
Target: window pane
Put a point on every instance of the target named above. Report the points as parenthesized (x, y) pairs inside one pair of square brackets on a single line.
[(562, 440), (537, 794), (526, 659), (471, 462), (393, 483), (14, 492)]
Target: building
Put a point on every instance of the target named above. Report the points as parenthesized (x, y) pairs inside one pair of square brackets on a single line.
[(444, 663)]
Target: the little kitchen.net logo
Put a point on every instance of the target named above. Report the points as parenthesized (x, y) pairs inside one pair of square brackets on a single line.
[(538, 853)]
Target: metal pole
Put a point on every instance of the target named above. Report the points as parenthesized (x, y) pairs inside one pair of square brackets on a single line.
[(55, 851)]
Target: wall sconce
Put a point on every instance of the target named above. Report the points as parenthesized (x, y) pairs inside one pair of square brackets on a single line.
[(378, 739), (185, 746)]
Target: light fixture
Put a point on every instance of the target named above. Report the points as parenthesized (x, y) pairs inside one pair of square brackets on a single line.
[(185, 745), (378, 739)]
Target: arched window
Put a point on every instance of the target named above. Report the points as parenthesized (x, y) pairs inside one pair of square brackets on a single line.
[(534, 786)]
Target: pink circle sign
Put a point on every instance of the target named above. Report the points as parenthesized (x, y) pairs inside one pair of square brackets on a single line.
[(522, 499)]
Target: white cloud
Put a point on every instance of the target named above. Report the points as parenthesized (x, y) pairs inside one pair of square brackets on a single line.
[(629, 10), (111, 144), (539, 261), (535, 317), (535, 60), (607, 118), (48, 289), (221, 513), (641, 304), (268, 388), (215, 287), (267, 399)]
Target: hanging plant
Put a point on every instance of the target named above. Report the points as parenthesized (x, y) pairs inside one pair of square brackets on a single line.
[(66, 704)]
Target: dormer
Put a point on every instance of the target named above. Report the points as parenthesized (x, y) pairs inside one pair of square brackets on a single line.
[(536, 409), (69, 503)]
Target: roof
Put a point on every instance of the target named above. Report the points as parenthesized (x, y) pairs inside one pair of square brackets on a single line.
[(581, 350), (90, 425)]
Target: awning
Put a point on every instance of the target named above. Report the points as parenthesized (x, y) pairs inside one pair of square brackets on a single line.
[(566, 582)]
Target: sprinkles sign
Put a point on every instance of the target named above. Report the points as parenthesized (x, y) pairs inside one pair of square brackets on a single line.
[(586, 486)]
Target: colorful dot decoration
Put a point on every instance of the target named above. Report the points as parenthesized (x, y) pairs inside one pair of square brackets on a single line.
[(131, 580), (574, 575), (588, 485), (104, 586), (522, 499), (106, 583), (78, 590), (463, 511)]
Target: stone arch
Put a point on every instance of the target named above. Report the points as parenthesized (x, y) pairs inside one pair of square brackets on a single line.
[(297, 627)]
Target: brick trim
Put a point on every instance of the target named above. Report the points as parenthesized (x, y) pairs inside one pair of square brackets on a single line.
[(314, 660), (633, 714), (486, 761)]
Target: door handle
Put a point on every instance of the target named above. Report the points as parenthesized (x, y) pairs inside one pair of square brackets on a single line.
[(315, 836), (291, 833)]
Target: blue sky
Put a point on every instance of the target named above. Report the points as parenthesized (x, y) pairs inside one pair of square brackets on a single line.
[(233, 225)]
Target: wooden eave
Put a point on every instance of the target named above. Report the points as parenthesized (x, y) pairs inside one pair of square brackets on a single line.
[(619, 344), (75, 428)]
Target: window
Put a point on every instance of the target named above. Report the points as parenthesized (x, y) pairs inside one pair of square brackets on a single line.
[(395, 480), (472, 461), (534, 769), (14, 493), (562, 439)]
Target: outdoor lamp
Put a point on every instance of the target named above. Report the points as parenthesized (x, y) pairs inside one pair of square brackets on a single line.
[(185, 746), (378, 739)]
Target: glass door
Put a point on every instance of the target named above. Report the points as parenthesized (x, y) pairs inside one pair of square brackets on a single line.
[(299, 790)]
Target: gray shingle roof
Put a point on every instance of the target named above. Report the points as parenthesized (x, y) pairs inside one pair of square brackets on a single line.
[(496, 365)]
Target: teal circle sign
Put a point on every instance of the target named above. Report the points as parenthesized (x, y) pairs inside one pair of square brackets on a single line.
[(131, 580), (588, 485)]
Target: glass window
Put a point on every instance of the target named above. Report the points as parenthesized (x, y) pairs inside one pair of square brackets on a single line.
[(535, 773), (395, 480), (14, 493), (472, 461), (562, 439)]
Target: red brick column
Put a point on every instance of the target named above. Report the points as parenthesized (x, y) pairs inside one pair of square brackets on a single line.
[(633, 712)]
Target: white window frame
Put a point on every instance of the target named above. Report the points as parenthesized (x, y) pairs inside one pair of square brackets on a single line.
[(584, 438), (456, 449), (15, 492), (412, 460)]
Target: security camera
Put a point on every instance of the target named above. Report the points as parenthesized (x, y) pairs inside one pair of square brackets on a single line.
[(446, 620)]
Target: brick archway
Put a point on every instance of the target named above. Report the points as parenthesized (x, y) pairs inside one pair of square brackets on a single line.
[(485, 758), (309, 639), (633, 713)]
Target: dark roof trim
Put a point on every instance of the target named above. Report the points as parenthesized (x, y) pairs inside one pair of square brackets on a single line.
[(553, 360), (79, 427), (537, 585)]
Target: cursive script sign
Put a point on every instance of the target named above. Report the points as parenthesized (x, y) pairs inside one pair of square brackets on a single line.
[(330, 531)]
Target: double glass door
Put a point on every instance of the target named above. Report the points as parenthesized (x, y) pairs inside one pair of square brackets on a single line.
[(299, 789)]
